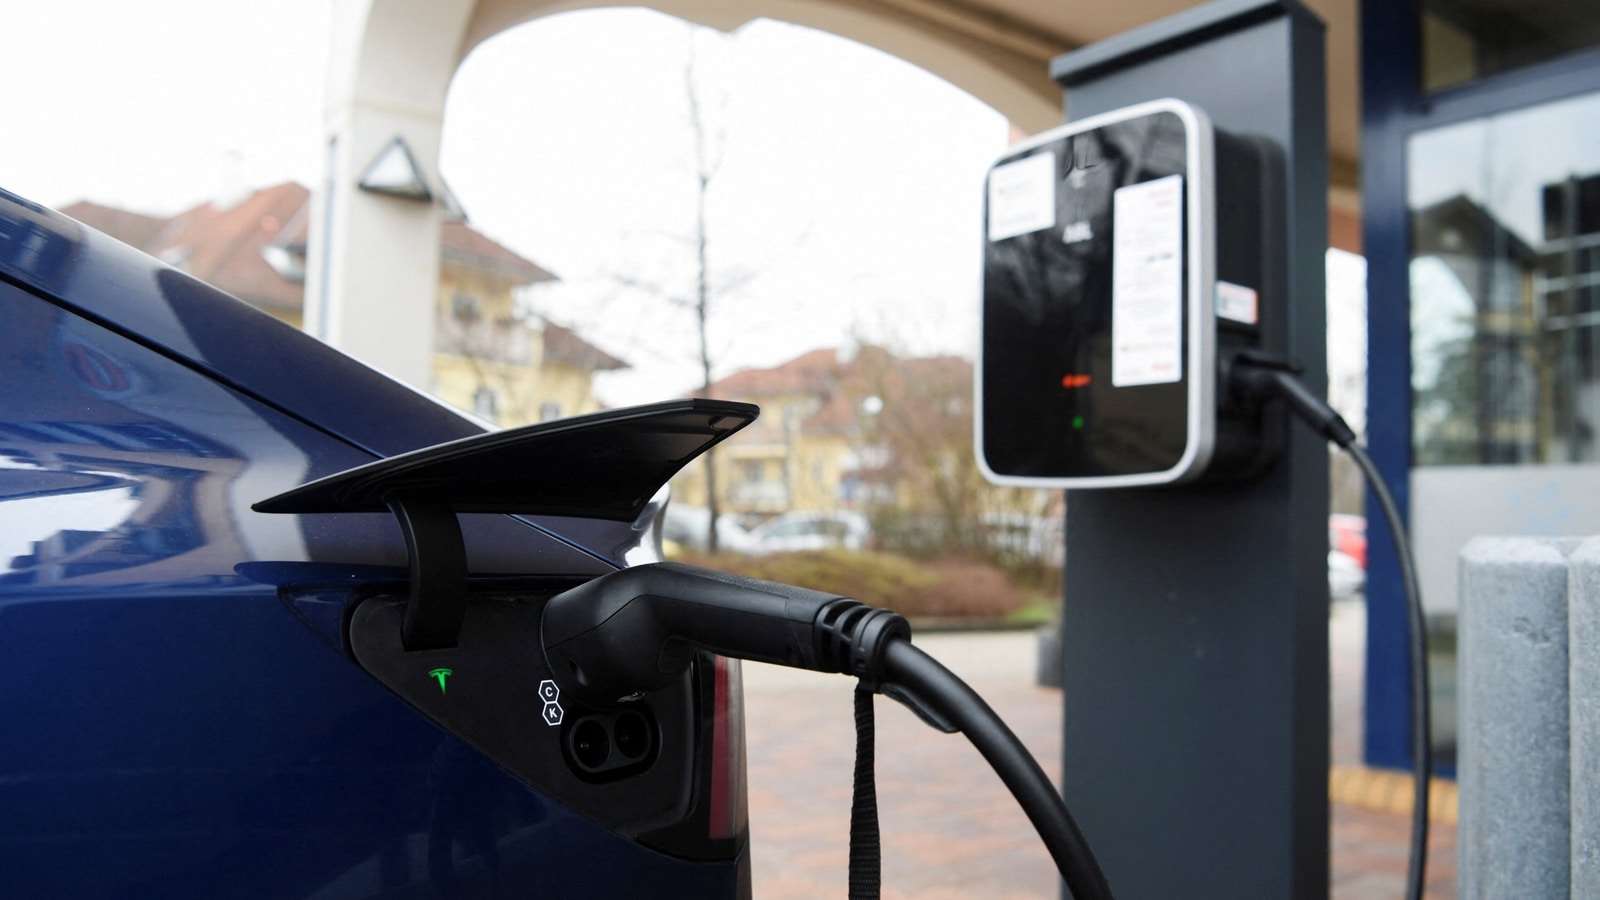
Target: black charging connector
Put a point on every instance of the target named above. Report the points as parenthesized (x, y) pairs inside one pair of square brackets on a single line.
[(1253, 378), (624, 634), (1257, 379), (617, 637)]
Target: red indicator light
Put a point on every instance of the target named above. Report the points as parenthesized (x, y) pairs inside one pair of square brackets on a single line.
[(1074, 381)]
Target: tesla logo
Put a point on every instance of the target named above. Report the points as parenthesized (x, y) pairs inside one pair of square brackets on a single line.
[(441, 675), (1077, 233)]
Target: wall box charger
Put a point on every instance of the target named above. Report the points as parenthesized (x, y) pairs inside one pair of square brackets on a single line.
[(1124, 260)]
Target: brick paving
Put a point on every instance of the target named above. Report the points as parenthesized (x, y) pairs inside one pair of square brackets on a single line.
[(950, 829)]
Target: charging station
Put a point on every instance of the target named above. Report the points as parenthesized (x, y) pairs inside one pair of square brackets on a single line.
[(1125, 267), (1194, 638)]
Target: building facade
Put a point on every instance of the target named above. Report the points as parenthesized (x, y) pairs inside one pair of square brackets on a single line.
[(491, 356), (1481, 206), (869, 431)]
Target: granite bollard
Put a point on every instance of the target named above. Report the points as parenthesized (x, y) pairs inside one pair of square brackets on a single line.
[(1514, 770)]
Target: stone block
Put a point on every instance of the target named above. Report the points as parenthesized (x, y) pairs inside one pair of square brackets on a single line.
[(1514, 767), (1583, 623)]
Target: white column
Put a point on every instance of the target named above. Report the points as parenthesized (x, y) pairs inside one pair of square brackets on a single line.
[(373, 262)]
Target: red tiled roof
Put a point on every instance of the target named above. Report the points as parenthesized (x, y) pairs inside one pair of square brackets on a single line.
[(809, 373), (564, 345), (226, 246), (835, 386), (129, 227), (460, 242)]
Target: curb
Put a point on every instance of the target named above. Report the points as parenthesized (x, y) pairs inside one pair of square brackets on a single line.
[(1389, 790)]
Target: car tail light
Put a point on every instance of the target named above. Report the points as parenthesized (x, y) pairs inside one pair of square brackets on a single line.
[(728, 802)]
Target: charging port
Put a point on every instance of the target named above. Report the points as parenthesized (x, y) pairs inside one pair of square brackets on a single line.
[(611, 745)]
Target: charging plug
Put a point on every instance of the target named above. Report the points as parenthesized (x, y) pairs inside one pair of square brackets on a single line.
[(1255, 378), (632, 631)]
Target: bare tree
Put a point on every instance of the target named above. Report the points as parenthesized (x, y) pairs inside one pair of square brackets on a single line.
[(702, 290), (927, 494), (706, 165)]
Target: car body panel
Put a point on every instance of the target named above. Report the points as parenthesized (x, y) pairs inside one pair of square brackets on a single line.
[(203, 743), (172, 726)]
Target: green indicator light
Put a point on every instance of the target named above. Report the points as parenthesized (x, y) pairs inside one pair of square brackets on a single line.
[(441, 675), (1077, 422)]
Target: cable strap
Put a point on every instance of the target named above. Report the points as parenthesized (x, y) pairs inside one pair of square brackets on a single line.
[(866, 859)]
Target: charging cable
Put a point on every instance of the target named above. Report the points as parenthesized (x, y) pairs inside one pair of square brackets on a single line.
[(615, 638), (1256, 378)]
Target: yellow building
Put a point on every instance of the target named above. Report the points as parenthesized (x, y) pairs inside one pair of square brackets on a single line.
[(493, 358), (797, 455), (875, 433), (490, 357)]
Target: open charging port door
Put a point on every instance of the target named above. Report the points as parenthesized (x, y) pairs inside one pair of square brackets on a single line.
[(1124, 263), (463, 647)]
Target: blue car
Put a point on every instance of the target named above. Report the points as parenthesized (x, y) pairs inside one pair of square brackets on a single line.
[(264, 616)]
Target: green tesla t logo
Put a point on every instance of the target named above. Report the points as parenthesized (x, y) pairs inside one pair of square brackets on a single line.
[(441, 675)]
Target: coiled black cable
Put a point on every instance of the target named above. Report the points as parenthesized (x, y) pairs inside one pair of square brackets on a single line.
[(1255, 378), (950, 698), (1421, 702)]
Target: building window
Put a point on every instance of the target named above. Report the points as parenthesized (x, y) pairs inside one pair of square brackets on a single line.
[(1505, 288), (464, 307), (486, 404)]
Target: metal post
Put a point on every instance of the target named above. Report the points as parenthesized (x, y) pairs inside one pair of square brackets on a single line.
[(1195, 638)]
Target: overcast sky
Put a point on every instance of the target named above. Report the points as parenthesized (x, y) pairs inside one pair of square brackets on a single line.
[(158, 105), (847, 202)]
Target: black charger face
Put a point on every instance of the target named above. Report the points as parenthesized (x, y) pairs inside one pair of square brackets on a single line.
[(1098, 360)]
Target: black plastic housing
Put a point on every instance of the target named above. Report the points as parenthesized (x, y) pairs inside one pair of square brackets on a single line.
[(1128, 256), (613, 639), (501, 699)]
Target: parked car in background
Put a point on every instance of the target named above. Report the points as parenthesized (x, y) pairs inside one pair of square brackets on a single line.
[(1346, 578), (1348, 535), (188, 708), (798, 530), (686, 527)]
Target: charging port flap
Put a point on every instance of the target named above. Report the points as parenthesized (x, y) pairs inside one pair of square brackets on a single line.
[(605, 466)]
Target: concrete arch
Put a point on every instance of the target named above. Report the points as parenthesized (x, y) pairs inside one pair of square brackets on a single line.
[(1004, 66), (373, 259)]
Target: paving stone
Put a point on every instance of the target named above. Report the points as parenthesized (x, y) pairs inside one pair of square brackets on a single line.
[(950, 829)]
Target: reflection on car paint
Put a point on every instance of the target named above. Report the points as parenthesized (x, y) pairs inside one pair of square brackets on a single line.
[(34, 243), (171, 442), (172, 728)]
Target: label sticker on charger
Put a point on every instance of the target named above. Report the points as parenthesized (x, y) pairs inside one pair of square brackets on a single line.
[(1147, 283), (1238, 303), (1022, 196)]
